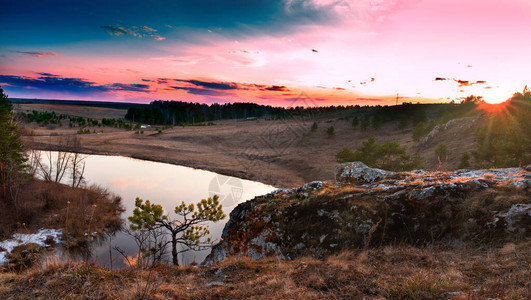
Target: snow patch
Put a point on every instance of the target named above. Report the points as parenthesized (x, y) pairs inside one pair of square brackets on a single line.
[(18, 239)]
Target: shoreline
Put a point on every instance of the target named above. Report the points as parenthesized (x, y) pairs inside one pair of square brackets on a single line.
[(182, 163)]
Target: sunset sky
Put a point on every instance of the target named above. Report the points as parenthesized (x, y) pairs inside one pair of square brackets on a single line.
[(266, 51)]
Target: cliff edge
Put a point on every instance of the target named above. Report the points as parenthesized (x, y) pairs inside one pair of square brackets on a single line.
[(368, 207)]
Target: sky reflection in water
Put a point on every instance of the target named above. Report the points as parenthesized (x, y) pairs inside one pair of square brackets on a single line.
[(167, 185)]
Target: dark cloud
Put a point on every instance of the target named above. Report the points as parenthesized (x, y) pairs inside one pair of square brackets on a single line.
[(201, 91), (212, 84), (129, 87), (147, 80), (57, 83), (38, 53), (115, 30), (52, 83), (440, 79), (224, 86), (46, 74), (137, 31), (463, 83), (277, 88)]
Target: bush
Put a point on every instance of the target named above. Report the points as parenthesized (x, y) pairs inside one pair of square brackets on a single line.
[(355, 122), (441, 151), (389, 156), (314, 126), (331, 131), (376, 121), (465, 161), (365, 122), (504, 140), (421, 129)]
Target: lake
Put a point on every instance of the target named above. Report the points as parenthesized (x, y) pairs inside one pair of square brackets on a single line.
[(164, 184)]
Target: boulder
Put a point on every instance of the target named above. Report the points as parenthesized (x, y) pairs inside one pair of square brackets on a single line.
[(358, 172)]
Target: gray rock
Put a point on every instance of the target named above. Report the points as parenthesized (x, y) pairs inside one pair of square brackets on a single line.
[(358, 172), (417, 207), (215, 283)]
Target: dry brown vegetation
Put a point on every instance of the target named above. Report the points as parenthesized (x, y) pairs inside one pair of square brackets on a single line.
[(284, 153), (387, 272), (53, 205)]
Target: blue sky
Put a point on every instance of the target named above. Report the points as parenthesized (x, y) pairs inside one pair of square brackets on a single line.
[(340, 51)]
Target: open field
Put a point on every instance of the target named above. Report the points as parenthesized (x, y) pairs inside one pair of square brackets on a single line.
[(93, 112), (284, 153)]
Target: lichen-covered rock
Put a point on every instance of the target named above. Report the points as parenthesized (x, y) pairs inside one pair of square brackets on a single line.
[(358, 172), (518, 217), (368, 207)]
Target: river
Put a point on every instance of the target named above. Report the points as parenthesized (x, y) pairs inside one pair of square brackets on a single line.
[(164, 184)]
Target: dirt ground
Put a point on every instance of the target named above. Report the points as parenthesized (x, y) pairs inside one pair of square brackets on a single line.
[(283, 153)]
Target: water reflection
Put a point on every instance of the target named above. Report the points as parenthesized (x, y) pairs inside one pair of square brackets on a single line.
[(164, 184)]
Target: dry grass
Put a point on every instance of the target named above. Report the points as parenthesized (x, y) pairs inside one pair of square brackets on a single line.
[(50, 205), (388, 272), (251, 149), (44, 205)]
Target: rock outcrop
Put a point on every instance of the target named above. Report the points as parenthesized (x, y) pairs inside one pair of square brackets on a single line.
[(367, 207)]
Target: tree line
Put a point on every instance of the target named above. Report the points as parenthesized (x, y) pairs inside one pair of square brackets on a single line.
[(179, 112)]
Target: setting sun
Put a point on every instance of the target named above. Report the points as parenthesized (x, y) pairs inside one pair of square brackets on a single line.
[(498, 95)]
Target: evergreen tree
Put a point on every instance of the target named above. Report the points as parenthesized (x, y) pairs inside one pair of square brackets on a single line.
[(331, 131), (314, 126), (389, 156), (12, 155), (504, 140), (365, 122), (355, 122), (188, 229), (465, 161), (441, 151)]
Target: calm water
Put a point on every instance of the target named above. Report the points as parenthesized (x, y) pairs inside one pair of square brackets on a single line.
[(164, 184)]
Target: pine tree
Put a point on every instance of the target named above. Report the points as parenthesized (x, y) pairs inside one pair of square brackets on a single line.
[(331, 131), (355, 122), (12, 155), (314, 126), (188, 229)]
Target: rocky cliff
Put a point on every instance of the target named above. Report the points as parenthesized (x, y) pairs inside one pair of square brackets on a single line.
[(368, 207)]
